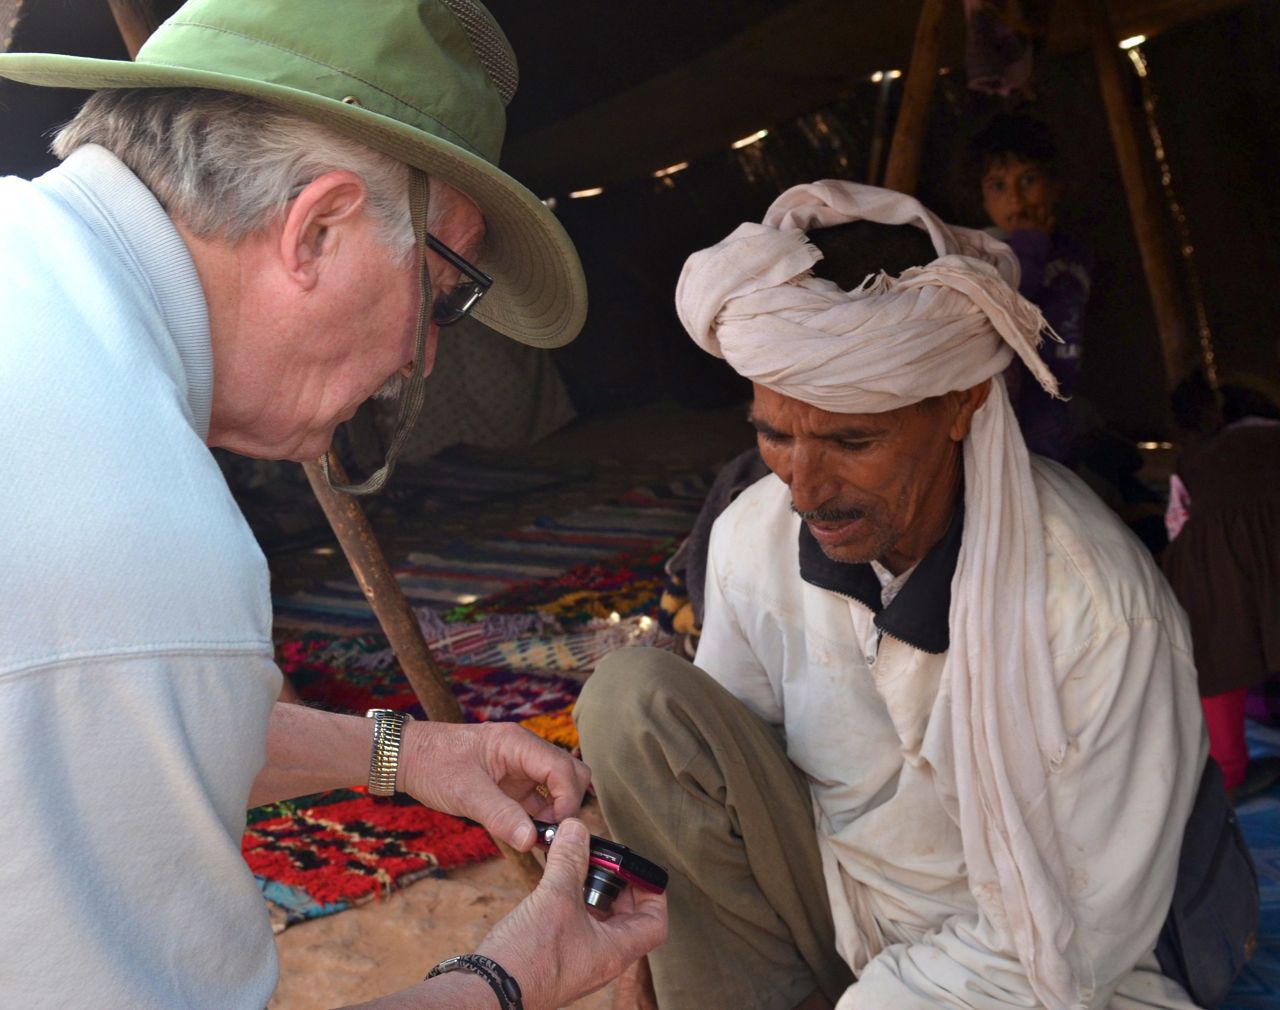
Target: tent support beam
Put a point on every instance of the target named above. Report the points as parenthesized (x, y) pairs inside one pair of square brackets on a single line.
[(1145, 210), (903, 170)]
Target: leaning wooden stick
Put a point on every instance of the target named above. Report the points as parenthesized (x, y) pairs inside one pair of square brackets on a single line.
[(398, 621)]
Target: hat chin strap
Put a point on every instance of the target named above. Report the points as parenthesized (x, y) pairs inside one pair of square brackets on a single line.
[(413, 394)]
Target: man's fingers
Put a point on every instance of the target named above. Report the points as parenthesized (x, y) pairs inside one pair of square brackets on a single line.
[(643, 928), (519, 754), (539, 809), (567, 783), (507, 820), (568, 857)]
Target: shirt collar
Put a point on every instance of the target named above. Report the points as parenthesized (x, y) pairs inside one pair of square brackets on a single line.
[(919, 614), (126, 215)]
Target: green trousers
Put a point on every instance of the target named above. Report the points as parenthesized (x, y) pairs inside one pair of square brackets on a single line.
[(692, 780)]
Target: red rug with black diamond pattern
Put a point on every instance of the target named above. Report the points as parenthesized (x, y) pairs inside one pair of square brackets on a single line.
[(320, 854)]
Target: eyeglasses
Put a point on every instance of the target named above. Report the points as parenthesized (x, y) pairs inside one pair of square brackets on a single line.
[(459, 300)]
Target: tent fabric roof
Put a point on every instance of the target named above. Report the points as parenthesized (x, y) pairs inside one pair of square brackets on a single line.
[(612, 91)]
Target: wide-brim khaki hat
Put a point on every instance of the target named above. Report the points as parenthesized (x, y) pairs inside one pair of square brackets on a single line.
[(425, 81)]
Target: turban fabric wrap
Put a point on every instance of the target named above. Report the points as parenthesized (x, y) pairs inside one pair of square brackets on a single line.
[(891, 342)]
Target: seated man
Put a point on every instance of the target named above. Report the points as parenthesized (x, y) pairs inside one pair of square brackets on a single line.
[(947, 739)]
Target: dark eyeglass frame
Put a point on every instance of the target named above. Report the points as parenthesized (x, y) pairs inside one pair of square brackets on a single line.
[(463, 297)]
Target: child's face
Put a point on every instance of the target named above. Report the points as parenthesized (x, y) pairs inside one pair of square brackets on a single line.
[(1019, 195)]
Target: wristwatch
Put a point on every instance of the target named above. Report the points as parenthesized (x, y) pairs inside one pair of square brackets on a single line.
[(384, 758)]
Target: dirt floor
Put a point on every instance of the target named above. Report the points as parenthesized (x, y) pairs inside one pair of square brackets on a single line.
[(386, 945)]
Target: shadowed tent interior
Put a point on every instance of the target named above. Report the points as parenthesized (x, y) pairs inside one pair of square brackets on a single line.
[(611, 94)]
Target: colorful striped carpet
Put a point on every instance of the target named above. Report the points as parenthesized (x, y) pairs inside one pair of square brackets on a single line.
[(464, 572)]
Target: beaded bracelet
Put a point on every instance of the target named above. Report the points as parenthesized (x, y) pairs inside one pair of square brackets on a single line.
[(506, 988)]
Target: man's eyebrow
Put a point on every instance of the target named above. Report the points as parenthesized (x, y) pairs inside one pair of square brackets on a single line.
[(852, 434), (762, 426)]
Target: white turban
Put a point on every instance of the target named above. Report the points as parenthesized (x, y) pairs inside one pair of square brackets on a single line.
[(891, 342)]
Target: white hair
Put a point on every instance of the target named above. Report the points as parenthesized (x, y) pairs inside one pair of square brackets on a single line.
[(226, 165)]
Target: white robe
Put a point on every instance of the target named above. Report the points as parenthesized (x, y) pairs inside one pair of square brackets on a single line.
[(874, 739)]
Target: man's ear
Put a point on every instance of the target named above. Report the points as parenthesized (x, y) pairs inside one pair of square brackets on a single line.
[(967, 403), (313, 223)]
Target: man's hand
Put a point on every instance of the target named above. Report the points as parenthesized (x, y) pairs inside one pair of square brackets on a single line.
[(555, 947), (496, 773)]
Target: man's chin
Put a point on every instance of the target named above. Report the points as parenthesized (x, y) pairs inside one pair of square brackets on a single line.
[(848, 545), (846, 555), (312, 447)]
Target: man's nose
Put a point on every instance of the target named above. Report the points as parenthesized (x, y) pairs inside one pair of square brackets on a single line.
[(812, 483)]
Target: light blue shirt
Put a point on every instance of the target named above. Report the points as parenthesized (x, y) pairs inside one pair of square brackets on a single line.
[(136, 673)]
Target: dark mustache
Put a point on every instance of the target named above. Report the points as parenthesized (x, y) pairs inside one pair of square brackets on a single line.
[(829, 515)]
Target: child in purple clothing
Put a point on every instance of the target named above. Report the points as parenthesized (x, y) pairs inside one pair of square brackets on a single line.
[(1015, 161)]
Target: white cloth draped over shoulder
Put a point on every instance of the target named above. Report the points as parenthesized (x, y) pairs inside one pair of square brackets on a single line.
[(893, 341)]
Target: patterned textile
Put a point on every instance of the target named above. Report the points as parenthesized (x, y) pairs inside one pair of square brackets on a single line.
[(518, 656), (640, 521), (321, 854), (486, 694), (625, 586)]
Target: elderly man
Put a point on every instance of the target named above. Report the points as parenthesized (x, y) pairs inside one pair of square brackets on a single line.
[(946, 741), (257, 225)]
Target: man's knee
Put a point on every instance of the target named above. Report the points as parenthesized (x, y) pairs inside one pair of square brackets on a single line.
[(626, 686)]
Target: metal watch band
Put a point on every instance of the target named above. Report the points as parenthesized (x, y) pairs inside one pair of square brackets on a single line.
[(384, 758), (506, 988)]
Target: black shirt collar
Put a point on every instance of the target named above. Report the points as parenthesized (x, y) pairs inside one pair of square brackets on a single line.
[(918, 614)]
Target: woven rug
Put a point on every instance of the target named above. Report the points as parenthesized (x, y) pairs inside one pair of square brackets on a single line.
[(321, 854), (519, 655), (644, 519)]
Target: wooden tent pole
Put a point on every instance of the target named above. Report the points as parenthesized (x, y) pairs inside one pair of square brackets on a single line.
[(399, 623), (360, 545), (136, 20), (903, 169), (1145, 210)]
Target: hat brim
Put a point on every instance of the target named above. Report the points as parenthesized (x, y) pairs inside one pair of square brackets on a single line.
[(539, 295)]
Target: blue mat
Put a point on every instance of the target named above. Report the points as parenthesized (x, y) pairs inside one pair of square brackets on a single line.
[(1258, 987)]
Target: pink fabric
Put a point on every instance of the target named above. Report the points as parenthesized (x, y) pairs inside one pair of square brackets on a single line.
[(1224, 717), (1178, 511)]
